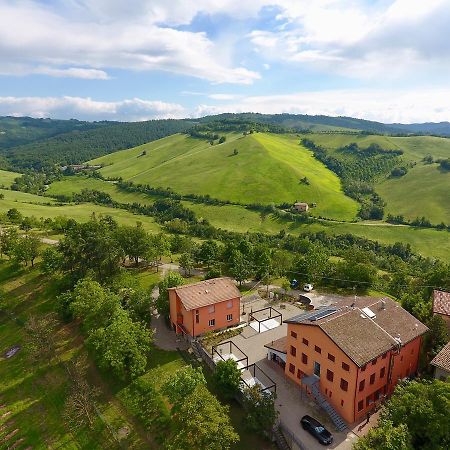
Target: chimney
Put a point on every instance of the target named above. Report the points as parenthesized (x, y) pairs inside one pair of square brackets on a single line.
[(383, 304)]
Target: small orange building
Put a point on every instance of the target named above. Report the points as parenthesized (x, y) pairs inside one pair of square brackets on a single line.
[(441, 305), (208, 305), (354, 354)]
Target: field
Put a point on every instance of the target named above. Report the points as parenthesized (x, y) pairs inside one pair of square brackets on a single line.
[(7, 178), (423, 191), (32, 205), (75, 184), (267, 169)]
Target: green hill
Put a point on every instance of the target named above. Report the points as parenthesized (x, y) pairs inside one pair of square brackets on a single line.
[(266, 169), (7, 178), (423, 191)]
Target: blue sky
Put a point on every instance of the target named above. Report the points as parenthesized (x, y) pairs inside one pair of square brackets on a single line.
[(385, 60)]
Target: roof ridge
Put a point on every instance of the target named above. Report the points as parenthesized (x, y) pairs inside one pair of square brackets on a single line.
[(200, 282)]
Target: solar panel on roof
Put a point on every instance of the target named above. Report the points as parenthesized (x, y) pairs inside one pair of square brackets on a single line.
[(322, 314)]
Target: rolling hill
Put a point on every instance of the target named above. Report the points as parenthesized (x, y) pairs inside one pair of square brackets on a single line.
[(424, 190), (266, 169)]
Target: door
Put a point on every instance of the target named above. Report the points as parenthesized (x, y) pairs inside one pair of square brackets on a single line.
[(316, 369)]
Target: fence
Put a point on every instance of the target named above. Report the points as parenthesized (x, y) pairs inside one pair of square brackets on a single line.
[(291, 438)]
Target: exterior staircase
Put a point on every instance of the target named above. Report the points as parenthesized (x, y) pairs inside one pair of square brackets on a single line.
[(321, 400), (280, 439)]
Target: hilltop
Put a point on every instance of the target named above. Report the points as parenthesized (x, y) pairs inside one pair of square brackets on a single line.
[(257, 168)]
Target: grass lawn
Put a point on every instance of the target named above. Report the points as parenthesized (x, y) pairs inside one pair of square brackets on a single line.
[(266, 170), (79, 212), (35, 394), (7, 178), (75, 184), (423, 191)]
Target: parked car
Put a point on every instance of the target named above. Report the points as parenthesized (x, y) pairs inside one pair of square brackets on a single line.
[(308, 287), (315, 428)]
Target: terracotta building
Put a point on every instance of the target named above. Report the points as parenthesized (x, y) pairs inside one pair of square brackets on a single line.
[(208, 305), (353, 355), (441, 305)]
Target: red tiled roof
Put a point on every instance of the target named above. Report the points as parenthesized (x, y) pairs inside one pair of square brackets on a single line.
[(441, 302), (208, 292), (280, 345), (361, 337), (442, 359)]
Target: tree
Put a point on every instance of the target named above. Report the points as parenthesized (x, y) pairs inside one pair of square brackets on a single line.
[(134, 241), (239, 266), (51, 261), (187, 262), (138, 302), (93, 304), (228, 377), (222, 139), (385, 437), (8, 242), (40, 338), (27, 249), (437, 337), (201, 422), (121, 346), (181, 385), (260, 409), (172, 279), (313, 264), (423, 407), (356, 274), (79, 407), (208, 253), (14, 215), (159, 246)]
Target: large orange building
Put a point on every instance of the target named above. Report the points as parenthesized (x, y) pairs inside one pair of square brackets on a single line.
[(354, 355), (208, 305)]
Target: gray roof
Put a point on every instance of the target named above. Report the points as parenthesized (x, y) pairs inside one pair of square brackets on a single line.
[(442, 359), (360, 337)]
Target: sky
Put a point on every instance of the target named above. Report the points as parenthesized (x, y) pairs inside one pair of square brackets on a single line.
[(383, 60)]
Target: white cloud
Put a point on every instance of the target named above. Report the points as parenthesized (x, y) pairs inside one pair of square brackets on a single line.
[(73, 72), (359, 39), (85, 108), (223, 96), (388, 106), (100, 34)]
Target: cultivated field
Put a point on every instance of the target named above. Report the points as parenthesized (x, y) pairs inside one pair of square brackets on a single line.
[(267, 169)]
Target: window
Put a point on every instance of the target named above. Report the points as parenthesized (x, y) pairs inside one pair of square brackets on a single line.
[(384, 356), (211, 309), (372, 378), (342, 402), (360, 405), (316, 369), (330, 394), (363, 368), (291, 368), (229, 317), (317, 349), (294, 334), (382, 372), (330, 375), (197, 316), (304, 359), (299, 373), (331, 357), (369, 400), (305, 341), (374, 361), (293, 351), (361, 385), (345, 366), (230, 304), (212, 322), (344, 384)]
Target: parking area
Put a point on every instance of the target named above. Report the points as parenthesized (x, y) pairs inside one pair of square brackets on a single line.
[(291, 402)]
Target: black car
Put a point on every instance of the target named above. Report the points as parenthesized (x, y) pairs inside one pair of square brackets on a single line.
[(315, 428)]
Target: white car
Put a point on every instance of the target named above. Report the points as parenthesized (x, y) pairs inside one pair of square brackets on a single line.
[(308, 287)]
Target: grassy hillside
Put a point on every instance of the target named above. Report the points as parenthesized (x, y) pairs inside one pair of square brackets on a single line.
[(414, 147), (7, 178), (267, 169), (423, 191), (75, 184), (32, 205)]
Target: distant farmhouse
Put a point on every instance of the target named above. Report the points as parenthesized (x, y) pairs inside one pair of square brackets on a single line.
[(301, 206), (352, 356), (441, 305), (441, 362), (205, 306)]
